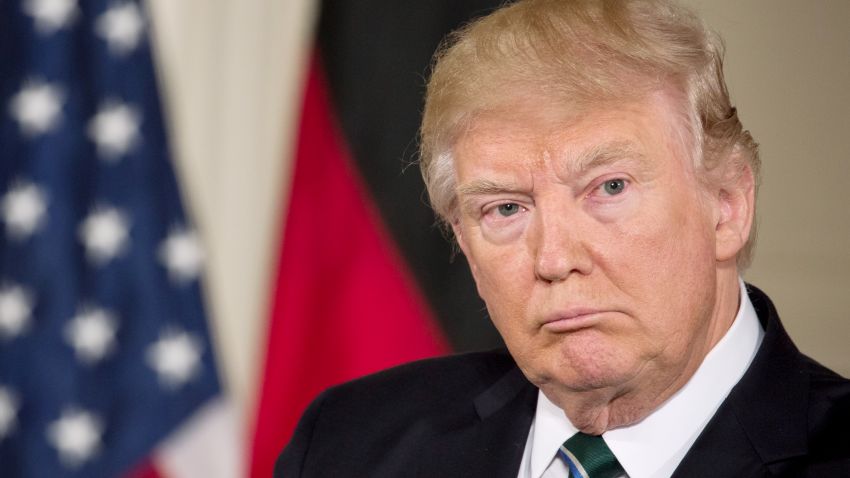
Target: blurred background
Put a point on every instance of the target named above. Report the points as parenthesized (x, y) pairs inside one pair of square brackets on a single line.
[(210, 214)]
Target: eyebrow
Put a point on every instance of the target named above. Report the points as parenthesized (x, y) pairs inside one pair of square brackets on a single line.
[(481, 187), (603, 155), (599, 155)]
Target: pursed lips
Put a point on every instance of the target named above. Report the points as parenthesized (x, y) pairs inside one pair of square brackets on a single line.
[(572, 319)]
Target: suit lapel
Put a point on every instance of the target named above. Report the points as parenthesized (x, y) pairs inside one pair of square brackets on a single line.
[(761, 426), (758, 431), (488, 439)]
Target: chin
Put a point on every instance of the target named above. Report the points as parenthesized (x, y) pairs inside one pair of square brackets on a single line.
[(581, 379), (582, 369)]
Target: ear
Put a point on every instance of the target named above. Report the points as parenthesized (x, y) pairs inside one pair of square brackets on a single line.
[(736, 200)]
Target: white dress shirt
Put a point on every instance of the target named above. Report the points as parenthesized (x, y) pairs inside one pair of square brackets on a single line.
[(654, 447)]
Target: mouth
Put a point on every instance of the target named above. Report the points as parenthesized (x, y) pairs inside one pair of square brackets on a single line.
[(572, 320)]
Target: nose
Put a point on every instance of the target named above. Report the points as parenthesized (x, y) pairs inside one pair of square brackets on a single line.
[(559, 243)]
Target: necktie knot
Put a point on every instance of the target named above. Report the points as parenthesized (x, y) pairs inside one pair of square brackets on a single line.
[(588, 456)]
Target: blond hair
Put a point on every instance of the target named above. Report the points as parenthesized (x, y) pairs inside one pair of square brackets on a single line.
[(578, 53)]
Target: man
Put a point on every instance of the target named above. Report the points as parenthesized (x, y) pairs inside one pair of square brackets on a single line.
[(586, 157)]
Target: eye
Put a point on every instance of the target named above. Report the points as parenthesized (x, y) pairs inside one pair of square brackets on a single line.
[(612, 187), (508, 209)]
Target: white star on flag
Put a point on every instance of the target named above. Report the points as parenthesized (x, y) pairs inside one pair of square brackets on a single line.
[(51, 15), (182, 254), (91, 333), (122, 27), (105, 352), (8, 412), (76, 436), (175, 357), (114, 129), (37, 107), (104, 234), (15, 310), (23, 208)]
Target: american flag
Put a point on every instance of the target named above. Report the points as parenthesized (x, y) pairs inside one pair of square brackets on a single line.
[(104, 347)]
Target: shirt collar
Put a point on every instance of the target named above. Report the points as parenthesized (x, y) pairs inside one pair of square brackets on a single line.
[(550, 430), (654, 446)]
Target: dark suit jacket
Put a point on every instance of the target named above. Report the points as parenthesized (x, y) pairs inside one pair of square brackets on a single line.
[(469, 416)]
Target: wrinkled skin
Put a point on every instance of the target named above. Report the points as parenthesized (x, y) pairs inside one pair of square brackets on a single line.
[(606, 266)]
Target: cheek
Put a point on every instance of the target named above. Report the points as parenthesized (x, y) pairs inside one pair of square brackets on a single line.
[(665, 263), (505, 279), (669, 236), (495, 275)]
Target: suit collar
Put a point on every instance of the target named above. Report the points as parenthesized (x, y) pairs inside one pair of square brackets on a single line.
[(501, 393), (485, 438), (771, 400), (763, 422)]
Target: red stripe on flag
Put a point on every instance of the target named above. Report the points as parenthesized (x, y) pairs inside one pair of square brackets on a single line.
[(344, 306), (145, 470)]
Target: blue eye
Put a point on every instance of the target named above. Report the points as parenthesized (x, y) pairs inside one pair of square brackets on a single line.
[(508, 209), (614, 186)]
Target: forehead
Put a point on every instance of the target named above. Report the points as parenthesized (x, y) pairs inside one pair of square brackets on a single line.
[(533, 134)]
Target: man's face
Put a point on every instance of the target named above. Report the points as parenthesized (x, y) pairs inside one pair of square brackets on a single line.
[(591, 241)]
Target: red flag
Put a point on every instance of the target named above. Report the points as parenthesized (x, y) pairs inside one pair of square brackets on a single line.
[(344, 305)]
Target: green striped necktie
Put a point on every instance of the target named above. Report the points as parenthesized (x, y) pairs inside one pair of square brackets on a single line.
[(589, 457)]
